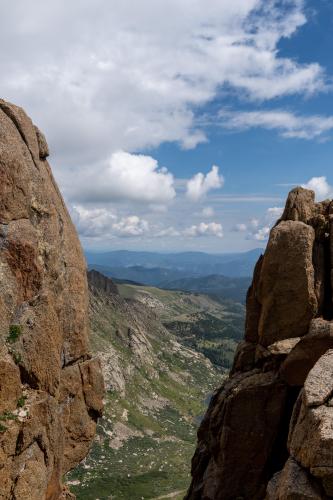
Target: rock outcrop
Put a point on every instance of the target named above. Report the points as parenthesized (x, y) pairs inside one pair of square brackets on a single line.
[(268, 432), (50, 388)]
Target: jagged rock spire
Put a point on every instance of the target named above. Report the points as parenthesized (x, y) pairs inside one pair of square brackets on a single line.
[(268, 432), (50, 388)]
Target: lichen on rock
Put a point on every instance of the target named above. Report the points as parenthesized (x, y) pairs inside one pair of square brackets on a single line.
[(51, 389)]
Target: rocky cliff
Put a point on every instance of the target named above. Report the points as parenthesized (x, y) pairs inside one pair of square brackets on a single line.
[(98, 281), (50, 388), (268, 432)]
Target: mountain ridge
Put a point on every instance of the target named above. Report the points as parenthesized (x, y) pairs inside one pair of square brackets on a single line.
[(222, 287), (195, 263)]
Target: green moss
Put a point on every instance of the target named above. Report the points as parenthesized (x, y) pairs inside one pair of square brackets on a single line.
[(15, 331), (3, 428)]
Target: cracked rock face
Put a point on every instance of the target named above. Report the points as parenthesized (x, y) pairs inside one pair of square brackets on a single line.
[(50, 389), (268, 432)]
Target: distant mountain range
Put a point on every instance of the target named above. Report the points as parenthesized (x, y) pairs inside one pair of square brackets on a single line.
[(155, 276), (158, 267)]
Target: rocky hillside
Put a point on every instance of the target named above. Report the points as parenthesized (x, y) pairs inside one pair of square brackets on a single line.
[(157, 390), (268, 430), (200, 322), (50, 387)]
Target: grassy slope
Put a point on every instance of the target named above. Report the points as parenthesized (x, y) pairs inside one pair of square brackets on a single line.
[(156, 393)]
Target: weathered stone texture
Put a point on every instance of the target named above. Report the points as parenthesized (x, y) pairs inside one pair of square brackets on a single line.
[(287, 272), (268, 433), (48, 419), (293, 483), (262, 396)]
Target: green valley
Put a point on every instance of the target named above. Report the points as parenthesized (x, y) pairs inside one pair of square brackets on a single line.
[(159, 351)]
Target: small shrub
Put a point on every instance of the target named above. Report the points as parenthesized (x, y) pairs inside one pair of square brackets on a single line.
[(8, 416), (3, 428), (21, 401), (14, 333)]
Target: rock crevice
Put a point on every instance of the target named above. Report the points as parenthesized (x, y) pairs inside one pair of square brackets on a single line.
[(268, 432)]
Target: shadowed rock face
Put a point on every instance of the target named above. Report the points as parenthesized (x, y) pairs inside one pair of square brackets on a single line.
[(50, 389), (268, 432), (99, 281)]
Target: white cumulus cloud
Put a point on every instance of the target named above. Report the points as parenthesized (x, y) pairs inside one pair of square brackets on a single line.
[(258, 229), (94, 222), (204, 229), (320, 186), (101, 223), (126, 177), (262, 233), (201, 184), (130, 226)]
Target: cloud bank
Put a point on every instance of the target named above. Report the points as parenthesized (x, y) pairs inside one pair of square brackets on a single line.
[(103, 224), (109, 79), (131, 75)]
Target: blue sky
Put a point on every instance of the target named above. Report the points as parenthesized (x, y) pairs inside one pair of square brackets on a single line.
[(258, 160), (176, 125)]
